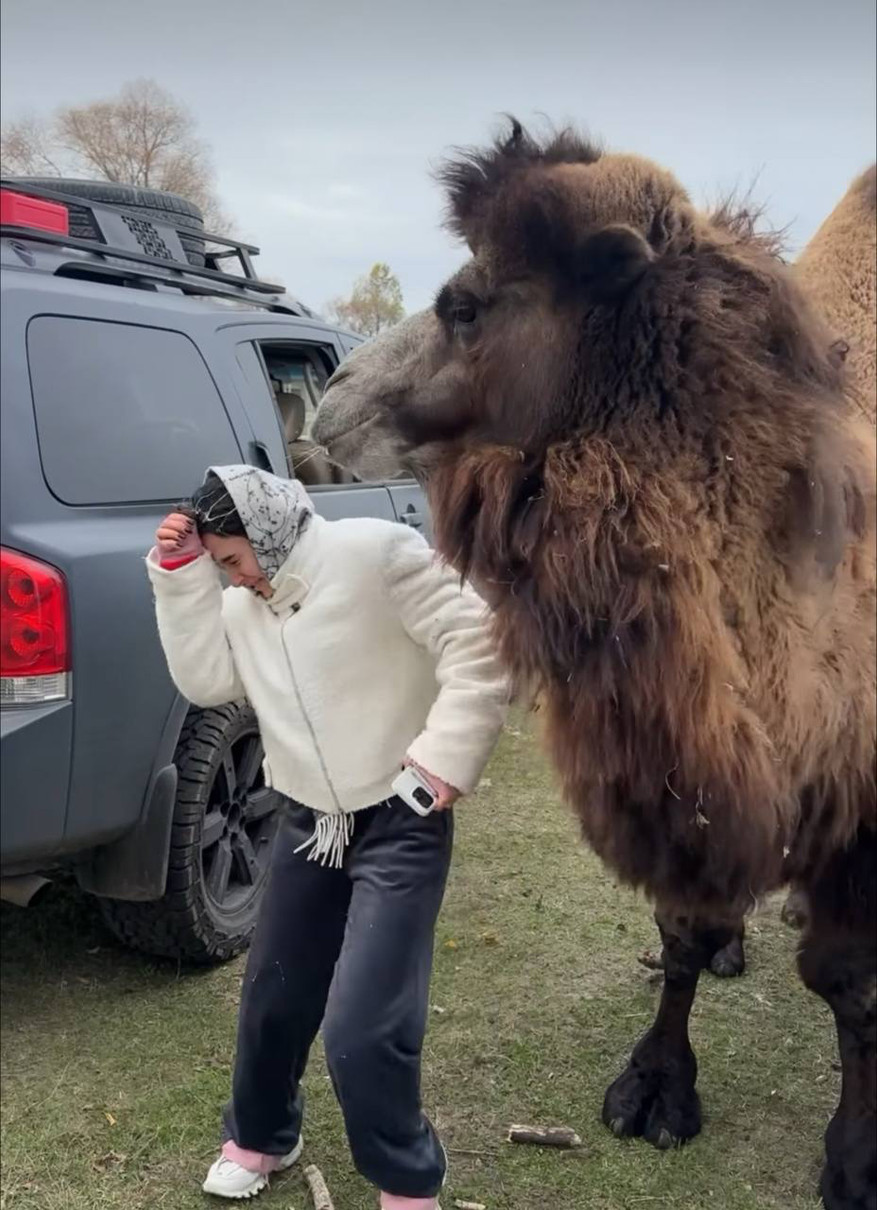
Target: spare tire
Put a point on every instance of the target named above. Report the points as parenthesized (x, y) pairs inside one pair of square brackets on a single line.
[(148, 203)]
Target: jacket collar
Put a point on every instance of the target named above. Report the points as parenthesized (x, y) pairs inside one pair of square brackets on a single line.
[(293, 581)]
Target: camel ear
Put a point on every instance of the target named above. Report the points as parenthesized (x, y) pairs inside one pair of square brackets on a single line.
[(603, 266), (610, 261)]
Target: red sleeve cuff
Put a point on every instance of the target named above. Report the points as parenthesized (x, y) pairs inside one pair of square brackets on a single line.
[(173, 564)]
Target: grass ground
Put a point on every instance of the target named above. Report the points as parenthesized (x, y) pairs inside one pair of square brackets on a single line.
[(114, 1068)]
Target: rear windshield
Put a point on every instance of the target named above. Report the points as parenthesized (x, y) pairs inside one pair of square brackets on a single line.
[(125, 414)]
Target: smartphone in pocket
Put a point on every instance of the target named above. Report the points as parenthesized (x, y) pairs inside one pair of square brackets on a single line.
[(415, 791)]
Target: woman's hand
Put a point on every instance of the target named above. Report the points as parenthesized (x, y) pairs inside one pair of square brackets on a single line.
[(177, 538), (446, 794)]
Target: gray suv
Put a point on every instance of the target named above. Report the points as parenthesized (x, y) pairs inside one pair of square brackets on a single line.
[(136, 351)]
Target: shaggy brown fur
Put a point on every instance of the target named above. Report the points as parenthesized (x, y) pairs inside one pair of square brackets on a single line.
[(691, 698), (639, 440)]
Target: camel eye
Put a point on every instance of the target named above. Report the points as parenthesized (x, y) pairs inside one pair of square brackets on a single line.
[(464, 313)]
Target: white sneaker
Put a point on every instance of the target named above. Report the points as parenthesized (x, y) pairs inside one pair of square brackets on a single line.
[(227, 1178)]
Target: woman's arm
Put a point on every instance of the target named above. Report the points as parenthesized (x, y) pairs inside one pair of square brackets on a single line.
[(188, 608), (451, 622)]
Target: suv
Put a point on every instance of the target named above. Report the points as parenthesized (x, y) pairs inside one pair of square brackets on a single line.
[(136, 351)]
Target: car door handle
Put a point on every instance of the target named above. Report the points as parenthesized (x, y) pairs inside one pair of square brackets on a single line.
[(260, 457), (412, 517)]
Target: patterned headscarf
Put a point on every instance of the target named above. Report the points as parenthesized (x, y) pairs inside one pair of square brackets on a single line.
[(275, 512)]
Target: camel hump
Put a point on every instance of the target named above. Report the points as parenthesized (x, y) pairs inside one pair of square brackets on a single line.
[(865, 188), (838, 269)]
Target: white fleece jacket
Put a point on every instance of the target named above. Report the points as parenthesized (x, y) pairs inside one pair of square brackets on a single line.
[(369, 650)]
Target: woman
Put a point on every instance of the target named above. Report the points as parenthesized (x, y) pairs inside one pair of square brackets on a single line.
[(359, 653)]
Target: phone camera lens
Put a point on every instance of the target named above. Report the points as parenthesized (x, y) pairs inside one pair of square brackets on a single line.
[(423, 798)]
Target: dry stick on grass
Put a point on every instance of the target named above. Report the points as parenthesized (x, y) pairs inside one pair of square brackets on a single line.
[(550, 1136), (318, 1188), (651, 961)]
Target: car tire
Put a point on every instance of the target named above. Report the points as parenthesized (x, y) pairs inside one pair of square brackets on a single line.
[(146, 203), (223, 830)]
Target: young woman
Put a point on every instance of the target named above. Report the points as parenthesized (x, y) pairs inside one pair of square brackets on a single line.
[(359, 653)]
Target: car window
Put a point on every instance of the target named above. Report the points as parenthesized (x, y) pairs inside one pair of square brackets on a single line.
[(125, 414), (295, 376), (298, 380)]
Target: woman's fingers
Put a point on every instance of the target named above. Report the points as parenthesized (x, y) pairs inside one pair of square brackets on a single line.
[(174, 529), (178, 522), (446, 794), (445, 801)]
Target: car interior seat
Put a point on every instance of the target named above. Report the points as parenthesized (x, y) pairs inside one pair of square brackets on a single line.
[(309, 461)]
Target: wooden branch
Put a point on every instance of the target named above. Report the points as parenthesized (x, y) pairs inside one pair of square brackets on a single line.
[(651, 961), (469, 1205), (318, 1188), (549, 1136)]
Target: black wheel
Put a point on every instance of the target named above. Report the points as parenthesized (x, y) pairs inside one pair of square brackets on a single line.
[(147, 203), (224, 824)]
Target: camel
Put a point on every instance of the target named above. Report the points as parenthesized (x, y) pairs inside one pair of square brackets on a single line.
[(638, 437), (838, 269)]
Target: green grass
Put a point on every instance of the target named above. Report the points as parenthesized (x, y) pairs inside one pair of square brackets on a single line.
[(114, 1068)]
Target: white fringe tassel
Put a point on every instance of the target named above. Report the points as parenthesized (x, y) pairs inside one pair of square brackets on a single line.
[(330, 840)]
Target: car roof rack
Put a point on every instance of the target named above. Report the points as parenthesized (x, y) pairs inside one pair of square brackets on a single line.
[(121, 240)]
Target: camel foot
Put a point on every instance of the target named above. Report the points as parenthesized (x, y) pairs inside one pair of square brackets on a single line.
[(655, 1099), (730, 960)]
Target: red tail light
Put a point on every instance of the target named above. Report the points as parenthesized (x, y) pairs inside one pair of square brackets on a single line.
[(34, 626), (19, 210)]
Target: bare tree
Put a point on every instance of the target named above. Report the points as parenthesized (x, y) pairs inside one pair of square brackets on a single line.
[(375, 303), (143, 136), (27, 149)]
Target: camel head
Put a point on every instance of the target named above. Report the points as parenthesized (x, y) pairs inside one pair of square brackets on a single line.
[(596, 297), (355, 420)]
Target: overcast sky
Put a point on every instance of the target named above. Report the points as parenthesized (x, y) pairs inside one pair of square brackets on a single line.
[(324, 119)]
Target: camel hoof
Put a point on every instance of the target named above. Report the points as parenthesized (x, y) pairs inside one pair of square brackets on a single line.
[(730, 960), (658, 1105)]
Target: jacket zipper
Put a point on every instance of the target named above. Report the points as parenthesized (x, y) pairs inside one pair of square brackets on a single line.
[(305, 715)]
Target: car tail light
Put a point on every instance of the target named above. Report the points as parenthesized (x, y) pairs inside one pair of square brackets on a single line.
[(34, 632), (19, 210)]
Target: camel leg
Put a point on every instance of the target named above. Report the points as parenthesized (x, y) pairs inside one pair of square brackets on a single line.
[(655, 1097), (838, 961)]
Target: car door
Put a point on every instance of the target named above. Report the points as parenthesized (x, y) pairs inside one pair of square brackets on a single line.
[(115, 421), (410, 506)]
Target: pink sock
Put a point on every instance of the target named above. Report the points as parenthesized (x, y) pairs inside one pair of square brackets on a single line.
[(390, 1202), (253, 1161)]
